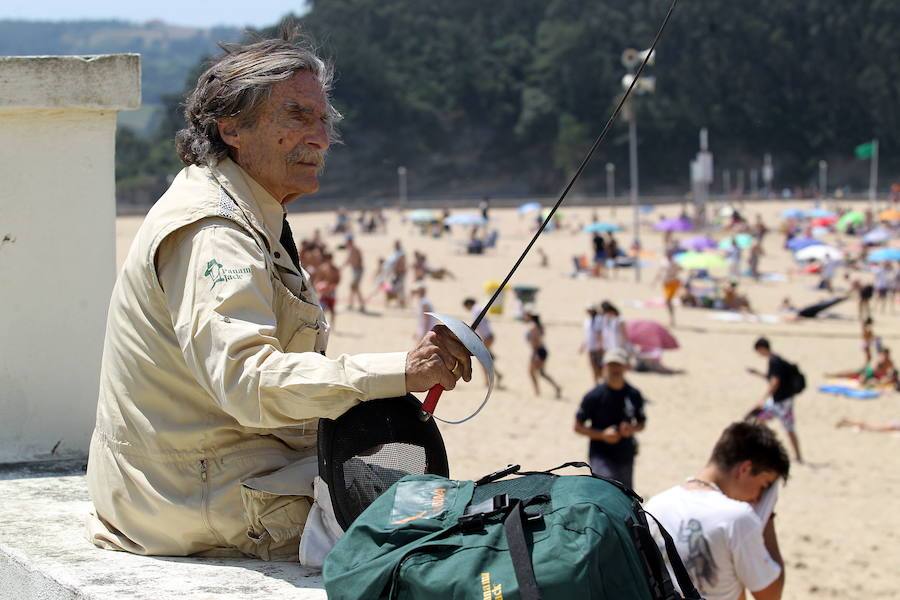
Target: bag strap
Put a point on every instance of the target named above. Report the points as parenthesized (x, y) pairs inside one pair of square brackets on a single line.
[(681, 574), (581, 464), (574, 463), (658, 579), (519, 554)]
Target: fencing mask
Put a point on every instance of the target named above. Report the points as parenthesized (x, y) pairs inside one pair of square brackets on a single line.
[(372, 446)]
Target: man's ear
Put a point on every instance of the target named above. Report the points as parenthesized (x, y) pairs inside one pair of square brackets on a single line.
[(228, 131), (745, 468)]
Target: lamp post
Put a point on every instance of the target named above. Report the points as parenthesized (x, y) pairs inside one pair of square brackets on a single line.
[(631, 58), (768, 174), (401, 185), (873, 175), (633, 178), (823, 180), (611, 186), (701, 177)]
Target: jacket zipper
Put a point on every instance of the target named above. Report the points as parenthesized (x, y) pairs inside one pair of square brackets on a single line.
[(204, 495)]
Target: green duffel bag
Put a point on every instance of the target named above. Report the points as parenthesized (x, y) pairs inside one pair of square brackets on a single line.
[(534, 535)]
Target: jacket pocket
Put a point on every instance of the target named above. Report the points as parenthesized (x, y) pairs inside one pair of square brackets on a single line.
[(274, 523), (276, 507), (298, 322)]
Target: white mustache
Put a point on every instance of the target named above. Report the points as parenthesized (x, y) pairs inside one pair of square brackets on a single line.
[(306, 155)]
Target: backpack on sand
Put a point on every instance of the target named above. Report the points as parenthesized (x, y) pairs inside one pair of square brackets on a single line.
[(532, 536)]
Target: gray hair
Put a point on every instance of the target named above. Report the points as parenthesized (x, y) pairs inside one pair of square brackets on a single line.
[(238, 83)]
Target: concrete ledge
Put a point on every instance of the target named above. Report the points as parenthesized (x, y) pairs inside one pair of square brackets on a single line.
[(44, 554), (105, 82)]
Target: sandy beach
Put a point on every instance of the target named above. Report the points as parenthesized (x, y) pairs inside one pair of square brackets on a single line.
[(838, 522)]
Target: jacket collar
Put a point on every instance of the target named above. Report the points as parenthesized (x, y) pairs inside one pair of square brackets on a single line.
[(251, 197)]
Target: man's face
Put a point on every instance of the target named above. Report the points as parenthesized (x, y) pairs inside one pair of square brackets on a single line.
[(749, 485), (615, 370), (284, 151)]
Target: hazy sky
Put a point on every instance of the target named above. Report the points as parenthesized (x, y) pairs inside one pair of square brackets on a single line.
[(199, 13)]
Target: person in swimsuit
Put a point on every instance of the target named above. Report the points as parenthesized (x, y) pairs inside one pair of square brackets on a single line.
[(864, 426), (671, 283), (883, 373), (355, 262), (539, 354)]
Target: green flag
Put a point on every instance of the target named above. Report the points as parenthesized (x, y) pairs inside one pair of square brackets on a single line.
[(864, 151)]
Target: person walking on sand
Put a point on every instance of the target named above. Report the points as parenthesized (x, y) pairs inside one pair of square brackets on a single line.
[(593, 342), (671, 283), (535, 338), (424, 321), (883, 283), (783, 380), (398, 269), (355, 262), (486, 333), (612, 328), (610, 415), (326, 281)]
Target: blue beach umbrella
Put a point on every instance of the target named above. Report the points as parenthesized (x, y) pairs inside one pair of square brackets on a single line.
[(884, 255), (793, 213), (601, 227)]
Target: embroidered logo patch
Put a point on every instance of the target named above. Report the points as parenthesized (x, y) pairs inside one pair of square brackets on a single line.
[(218, 273)]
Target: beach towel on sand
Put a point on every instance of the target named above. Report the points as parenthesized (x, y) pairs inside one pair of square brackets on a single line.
[(535, 535), (849, 392)]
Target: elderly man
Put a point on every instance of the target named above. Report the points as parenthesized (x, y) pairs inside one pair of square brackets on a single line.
[(214, 370)]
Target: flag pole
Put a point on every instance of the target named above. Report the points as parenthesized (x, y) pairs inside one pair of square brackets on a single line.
[(873, 175)]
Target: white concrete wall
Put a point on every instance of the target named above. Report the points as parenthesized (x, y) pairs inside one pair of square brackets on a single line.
[(57, 244)]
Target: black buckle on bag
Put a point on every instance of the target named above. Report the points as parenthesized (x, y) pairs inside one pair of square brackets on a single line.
[(475, 516)]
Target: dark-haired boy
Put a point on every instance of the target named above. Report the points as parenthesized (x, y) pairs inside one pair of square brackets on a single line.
[(725, 544), (778, 399)]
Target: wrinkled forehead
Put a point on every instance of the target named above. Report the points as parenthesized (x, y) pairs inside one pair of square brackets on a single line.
[(302, 91)]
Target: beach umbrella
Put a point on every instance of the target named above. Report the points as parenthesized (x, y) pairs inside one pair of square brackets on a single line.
[(743, 241), (422, 216), (820, 253), (877, 236), (819, 213), (824, 221), (465, 219), (793, 213), (854, 217), (601, 227), (891, 214), (649, 335), (678, 224), (698, 243), (700, 260), (799, 243), (818, 232), (529, 207), (884, 255)]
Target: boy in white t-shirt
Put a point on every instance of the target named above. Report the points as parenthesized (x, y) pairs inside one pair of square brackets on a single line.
[(722, 519)]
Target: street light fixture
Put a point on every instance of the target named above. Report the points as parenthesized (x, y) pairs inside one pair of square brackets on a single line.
[(631, 58)]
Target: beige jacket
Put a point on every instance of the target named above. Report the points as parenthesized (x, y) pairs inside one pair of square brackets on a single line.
[(213, 378)]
